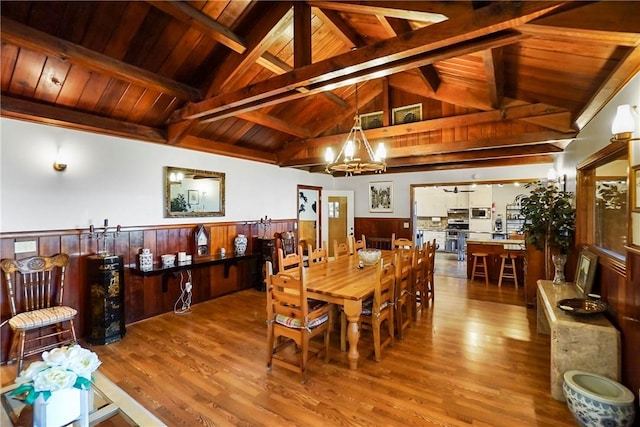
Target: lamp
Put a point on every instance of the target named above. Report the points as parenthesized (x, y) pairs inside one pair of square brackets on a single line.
[(347, 162), (59, 164), (623, 124)]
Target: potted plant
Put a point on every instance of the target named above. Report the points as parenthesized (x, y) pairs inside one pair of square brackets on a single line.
[(549, 225)]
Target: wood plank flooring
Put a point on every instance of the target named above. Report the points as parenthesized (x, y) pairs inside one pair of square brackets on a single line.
[(473, 358)]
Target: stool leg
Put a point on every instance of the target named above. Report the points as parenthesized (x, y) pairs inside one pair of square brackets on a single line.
[(473, 270), (501, 272), (515, 275), (486, 273)]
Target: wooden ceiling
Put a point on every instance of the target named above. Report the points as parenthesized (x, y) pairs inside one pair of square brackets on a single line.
[(499, 83)]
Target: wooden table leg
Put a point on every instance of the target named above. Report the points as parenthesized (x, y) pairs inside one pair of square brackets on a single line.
[(352, 309)]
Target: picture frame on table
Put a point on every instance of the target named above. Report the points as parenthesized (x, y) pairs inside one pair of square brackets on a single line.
[(381, 196), (585, 271)]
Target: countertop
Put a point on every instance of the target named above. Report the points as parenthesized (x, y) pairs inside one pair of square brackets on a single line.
[(496, 241)]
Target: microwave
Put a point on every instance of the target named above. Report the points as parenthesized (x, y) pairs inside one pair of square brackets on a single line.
[(480, 213)]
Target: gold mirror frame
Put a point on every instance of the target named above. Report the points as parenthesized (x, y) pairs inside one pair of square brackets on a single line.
[(193, 193)]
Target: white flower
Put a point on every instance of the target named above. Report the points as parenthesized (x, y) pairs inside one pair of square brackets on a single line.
[(82, 361), (55, 378), (31, 372), (57, 357)]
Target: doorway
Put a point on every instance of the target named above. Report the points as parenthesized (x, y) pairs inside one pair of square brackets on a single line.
[(337, 208)]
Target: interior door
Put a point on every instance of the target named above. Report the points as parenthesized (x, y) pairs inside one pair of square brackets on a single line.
[(309, 225), (337, 208)]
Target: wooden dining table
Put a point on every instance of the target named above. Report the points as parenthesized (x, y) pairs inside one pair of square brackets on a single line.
[(341, 282)]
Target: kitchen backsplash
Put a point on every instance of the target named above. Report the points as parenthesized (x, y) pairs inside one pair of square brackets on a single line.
[(432, 223)]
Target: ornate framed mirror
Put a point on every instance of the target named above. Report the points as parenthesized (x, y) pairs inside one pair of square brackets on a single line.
[(193, 192)]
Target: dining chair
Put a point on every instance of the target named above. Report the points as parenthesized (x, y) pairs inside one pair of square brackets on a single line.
[(340, 250), (36, 304), (402, 243), (317, 256), (376, 310), (430, 271), (419, 263), (293, 320), (292, 260), (404, 298), (356, 245)]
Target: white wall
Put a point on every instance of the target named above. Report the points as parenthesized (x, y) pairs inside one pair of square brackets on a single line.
[(120, 179)]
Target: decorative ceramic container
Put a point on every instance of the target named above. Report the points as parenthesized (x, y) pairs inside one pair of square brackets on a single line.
[(240, 244), (60, 409), (595, 400), (146, 260), (168, 260)]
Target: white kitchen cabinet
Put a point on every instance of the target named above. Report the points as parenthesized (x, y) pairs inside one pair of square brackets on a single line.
[(457, 200), (430, 201), (482, 196)]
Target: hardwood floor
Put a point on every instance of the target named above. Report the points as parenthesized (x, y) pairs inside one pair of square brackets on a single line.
[(473, 358)]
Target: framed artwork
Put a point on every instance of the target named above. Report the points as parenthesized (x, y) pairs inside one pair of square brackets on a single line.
[(381, 196), (585, 271), (194, 197), (371, 120), (406, 114)]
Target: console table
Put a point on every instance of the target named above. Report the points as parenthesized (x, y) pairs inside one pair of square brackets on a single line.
[(587, 343), (226, 261)]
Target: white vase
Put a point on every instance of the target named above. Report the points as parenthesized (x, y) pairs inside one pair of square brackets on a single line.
[(62, 407), (240, 244)]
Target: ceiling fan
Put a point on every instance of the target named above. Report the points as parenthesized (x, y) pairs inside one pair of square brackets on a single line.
[(456, 191)]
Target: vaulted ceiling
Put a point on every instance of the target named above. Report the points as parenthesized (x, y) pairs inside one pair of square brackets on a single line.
[(492, 83)]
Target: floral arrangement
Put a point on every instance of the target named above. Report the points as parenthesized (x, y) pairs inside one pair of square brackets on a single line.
[(61, 368)]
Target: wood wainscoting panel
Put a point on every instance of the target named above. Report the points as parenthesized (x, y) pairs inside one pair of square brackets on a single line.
[(143, 295)]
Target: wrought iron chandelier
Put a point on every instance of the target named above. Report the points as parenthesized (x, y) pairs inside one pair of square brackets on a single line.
[(347, 162)]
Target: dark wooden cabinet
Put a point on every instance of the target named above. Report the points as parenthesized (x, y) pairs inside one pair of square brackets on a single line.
[(265, 248), (105, 321)]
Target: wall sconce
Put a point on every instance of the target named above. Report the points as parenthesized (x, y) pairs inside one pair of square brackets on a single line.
[(623, 124), (59, 164)]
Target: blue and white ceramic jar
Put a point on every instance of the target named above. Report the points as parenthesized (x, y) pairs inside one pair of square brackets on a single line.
[(240, 244)]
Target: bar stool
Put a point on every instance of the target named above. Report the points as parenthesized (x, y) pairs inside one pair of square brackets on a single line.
[(508, 268), (475, 272)]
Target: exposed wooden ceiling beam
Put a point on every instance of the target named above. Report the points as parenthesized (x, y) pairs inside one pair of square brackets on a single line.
[(514, 161), (511, 113), (273, 122), (390, 9), (16, 33), (301, 34), (326, 75), (494, 71), (485, 21), (224, 149), (627, 68), (202, 22), (67, 118), (313, 154), (257, 42)]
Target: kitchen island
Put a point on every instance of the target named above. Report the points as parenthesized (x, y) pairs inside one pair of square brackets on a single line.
[(494, 248)]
